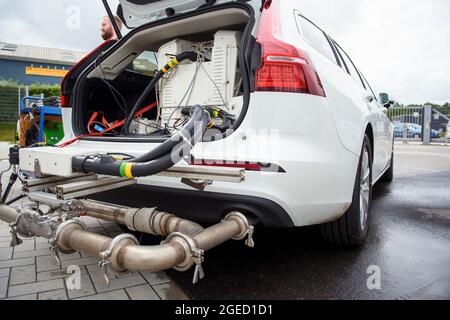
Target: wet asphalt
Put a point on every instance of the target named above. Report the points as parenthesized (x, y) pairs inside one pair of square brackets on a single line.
[(409, 241)]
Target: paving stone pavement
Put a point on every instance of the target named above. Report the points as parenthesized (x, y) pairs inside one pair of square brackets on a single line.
[(29, 272)]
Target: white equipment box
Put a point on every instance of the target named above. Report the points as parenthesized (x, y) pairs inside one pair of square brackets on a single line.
[(49, 160), (215, 80)]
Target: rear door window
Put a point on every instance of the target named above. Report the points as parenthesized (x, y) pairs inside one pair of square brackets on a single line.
[(315, 37), (349, 66)]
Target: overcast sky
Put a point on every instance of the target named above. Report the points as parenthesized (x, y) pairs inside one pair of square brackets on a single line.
[(402, 46)]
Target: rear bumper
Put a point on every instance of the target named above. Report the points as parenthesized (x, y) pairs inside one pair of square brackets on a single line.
[(204, 207)]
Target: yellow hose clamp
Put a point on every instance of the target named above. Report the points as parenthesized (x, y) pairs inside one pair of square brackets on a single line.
[(172, 63)]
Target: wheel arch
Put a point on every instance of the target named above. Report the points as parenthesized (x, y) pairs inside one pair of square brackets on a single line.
[(369, 132)]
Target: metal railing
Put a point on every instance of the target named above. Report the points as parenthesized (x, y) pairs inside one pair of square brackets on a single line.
[(408, 123)]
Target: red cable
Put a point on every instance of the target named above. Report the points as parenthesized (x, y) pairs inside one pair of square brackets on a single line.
[(117, 125)]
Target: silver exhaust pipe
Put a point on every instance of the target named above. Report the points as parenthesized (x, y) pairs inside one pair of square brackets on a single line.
[(146, 220), (8, 214), (183, 248), (178, 251)]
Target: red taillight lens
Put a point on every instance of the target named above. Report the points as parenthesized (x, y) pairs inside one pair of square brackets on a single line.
[(65, 99), (65, 103), (281, 75), (284, 68)]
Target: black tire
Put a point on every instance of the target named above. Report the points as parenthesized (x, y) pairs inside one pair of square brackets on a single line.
[(352, 229), (388, 176)]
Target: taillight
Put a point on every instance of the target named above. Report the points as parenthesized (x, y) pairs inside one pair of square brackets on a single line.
[(284, 68), (65, 99)]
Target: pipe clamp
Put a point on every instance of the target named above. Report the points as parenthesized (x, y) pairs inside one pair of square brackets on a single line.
[(105, 256), (248, 230), (55, 247), (195, 256)]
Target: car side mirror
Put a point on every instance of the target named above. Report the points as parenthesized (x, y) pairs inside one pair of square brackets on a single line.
[(385, 100)]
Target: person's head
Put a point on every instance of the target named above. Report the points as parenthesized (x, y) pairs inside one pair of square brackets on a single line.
[(108, 31)]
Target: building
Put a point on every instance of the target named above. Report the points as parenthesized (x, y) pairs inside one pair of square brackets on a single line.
[(29, 64), (439, 121)]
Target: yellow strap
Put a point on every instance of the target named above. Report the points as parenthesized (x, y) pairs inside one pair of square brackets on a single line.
[(171, 64), (164, 70), (128, 172)]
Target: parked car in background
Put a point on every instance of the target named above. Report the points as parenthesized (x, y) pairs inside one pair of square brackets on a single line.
[(448, 130), (435, 134), (414, 130)]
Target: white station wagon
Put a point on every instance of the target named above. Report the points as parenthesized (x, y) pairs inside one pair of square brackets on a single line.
[(243, 114)]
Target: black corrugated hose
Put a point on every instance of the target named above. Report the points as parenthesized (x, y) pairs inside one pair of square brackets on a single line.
[(156, 161)]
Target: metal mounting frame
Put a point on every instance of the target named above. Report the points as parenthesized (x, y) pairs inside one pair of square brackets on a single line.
[(83, 185)]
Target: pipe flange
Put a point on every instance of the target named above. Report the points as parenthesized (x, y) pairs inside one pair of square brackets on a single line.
[(108, 252), (54, 241), (243, 222), (105, 256), (247, 229), (194, 255)]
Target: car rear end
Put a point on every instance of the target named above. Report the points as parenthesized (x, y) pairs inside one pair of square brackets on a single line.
[(284, 135)]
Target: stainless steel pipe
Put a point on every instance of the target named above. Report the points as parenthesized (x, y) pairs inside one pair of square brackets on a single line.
[(217, 234), (74, 238), (147, 220), (183, 247), (8, 214), (149, 258), (103, 211), (179, 251)]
